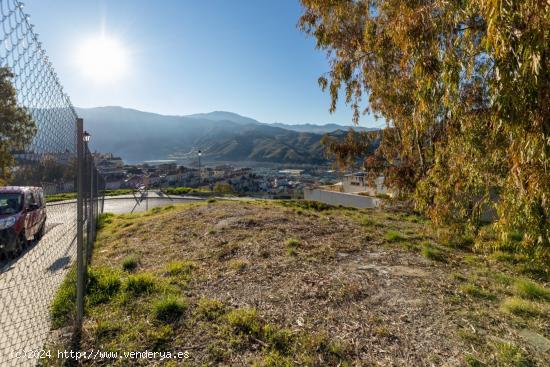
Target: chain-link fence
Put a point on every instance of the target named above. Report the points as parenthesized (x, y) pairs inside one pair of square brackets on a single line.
[(50, 192)]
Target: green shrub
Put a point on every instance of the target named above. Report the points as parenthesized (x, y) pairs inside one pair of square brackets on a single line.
[(169, 309), (178, 190), (130, 262), (118, 192), (140, 283)]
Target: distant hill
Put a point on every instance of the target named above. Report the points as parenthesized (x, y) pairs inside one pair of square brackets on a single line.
[(319, 129), (137, 136)]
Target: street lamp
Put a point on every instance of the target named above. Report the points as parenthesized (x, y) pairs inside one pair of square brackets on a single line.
[(86, 137), (200, 173)]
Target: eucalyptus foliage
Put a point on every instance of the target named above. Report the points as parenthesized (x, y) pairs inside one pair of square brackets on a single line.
[(464, 87)]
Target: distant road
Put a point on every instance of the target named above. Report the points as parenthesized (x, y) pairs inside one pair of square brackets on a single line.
[(28, 284)]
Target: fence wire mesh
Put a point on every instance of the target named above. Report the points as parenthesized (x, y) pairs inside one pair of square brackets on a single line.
[(39, 170)]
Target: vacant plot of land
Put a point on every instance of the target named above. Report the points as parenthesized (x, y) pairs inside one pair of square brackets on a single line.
[(290, 283)]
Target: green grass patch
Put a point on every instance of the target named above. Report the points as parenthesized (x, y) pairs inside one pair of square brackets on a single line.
[(130, 262), (181, 268), (508, 354), (433, 253), (104, 219), (520, 307), (169, 308), (292, 242), (244, 321), (60, 197), (209, 309), (239, 265), (63, 307), (476, 291), (292, 246), (103, 285), (139, 284), (393, 236), (306, 205), (530, 290), (472, 361)]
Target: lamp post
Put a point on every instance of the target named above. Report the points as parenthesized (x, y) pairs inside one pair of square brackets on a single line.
[(200, 172), (87, 137)]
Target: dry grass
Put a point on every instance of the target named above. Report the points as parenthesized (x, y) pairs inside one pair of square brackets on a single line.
[(225, 288)]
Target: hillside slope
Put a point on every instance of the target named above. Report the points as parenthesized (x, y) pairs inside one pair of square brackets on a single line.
[(267, 283)]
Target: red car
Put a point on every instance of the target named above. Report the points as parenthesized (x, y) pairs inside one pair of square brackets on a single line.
[(22, 218)]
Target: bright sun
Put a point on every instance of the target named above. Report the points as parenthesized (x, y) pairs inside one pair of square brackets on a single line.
[(103, 59)]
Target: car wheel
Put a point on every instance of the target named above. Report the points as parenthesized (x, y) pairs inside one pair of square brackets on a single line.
[(18, 248), (42, 231)]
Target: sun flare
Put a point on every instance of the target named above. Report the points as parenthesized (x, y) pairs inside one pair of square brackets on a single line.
[(103, 59)]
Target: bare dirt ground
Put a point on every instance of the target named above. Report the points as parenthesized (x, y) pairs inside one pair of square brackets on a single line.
[(344, 287)]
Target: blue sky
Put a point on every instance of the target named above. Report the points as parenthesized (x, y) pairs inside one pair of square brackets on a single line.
[(195, 56)]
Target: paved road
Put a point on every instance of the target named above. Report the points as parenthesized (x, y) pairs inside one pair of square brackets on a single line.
[(28, 284)]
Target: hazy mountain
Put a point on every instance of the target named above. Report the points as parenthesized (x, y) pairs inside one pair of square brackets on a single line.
[(224, 116), (319, 129), (222, 136)]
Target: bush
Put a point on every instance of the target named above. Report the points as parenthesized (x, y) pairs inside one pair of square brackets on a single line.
[(141, 283), (178, 190), (130, 262), (169, 309)]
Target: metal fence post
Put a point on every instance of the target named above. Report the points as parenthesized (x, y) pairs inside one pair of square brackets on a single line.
[(80, 264), (89, 235)]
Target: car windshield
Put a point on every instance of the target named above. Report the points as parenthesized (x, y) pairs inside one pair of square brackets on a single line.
[(10, 203)]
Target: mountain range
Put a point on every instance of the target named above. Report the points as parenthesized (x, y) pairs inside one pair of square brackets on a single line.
[(138, 136)]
